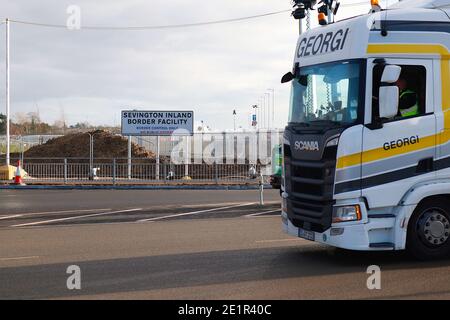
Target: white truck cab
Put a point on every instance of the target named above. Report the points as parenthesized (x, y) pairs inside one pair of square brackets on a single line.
[(366, 152)]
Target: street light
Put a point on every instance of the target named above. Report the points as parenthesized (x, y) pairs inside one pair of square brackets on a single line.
[(268, 108), (22, 149), (91, 154), (263, 104), (272, 91), (8, 142)]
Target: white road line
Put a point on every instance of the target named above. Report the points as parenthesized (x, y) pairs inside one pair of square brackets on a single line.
[(260, 213), (18, 258), (4, 217), (73, 218), (10, 217), (195, 212)]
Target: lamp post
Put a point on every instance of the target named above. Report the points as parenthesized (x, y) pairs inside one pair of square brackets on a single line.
[(22, 151), (8, 142), (91, 154), (263, 118), (266, 94), (272, 91)]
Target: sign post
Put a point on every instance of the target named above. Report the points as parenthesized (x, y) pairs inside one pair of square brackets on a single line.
[(129, 158), (157, 158)]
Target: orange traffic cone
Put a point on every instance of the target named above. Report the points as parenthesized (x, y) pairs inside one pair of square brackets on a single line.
[(18, 176)]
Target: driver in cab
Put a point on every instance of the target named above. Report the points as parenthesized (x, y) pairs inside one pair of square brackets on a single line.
[(408, 99)]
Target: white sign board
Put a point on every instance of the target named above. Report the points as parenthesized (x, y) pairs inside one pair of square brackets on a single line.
[(157, 123)]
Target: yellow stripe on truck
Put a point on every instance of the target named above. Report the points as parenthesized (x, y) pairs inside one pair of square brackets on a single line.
[(381, 153), (425, 142)]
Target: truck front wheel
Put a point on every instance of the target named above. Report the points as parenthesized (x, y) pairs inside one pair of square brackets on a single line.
[(429, 230)]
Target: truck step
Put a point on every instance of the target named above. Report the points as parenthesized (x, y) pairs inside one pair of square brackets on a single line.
[(382, 245), (381, 216)]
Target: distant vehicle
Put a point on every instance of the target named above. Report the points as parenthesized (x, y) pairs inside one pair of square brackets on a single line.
[(275, 178)]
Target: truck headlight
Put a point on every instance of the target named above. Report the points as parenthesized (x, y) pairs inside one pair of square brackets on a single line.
[(333, 142), (346, 213)]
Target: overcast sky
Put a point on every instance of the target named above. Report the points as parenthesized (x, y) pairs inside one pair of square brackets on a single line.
[(91, 75)]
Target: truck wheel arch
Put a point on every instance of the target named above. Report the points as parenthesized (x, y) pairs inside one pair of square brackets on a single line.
[(417, 195)]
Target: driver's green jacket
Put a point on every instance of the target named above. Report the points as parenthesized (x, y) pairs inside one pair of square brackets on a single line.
[(408, 98)]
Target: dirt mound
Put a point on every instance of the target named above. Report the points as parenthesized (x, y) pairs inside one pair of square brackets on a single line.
[(76, 145)]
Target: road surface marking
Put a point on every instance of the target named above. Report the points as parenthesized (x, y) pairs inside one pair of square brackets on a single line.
[(278, 240), (4, 217), (261, 213), (195, 212), (18, 258), (73, 218), (10, 217)]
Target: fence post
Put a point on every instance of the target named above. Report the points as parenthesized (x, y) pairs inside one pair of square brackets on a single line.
[(216, 172), (65, 170), (187, 158), (114, 171), (157, 158)]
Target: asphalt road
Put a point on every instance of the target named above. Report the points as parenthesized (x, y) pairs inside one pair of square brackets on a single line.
[(184, 245)]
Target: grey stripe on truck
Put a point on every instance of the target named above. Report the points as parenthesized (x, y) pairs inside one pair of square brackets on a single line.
[(389, 164)]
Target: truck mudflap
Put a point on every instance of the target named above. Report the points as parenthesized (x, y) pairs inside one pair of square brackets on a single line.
[(376, 234)]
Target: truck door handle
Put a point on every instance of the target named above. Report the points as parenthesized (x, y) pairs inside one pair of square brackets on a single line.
[(425, 165)]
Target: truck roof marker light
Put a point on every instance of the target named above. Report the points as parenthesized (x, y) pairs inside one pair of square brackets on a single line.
[(375, 5), (322, 19)]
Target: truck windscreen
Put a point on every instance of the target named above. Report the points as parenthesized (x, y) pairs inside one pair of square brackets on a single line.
[(327, 94)]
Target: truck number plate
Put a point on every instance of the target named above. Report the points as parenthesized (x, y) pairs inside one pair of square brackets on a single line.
[(305, 234)]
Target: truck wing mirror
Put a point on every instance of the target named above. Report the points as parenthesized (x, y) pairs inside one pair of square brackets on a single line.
[(388, 101), (388, 95), (288, 77), (388, 98), (391, 73)]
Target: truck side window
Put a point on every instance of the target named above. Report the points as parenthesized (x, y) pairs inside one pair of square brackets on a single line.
[(412, 91)]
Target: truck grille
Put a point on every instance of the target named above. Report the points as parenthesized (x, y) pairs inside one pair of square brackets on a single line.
[(309, 185)]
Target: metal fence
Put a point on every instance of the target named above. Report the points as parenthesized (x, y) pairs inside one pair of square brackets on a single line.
[(117, 171), (210, 157), (264, 140)]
